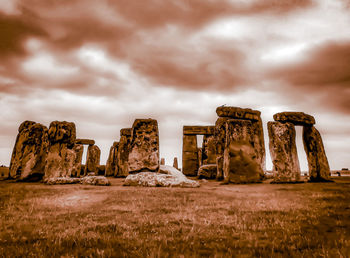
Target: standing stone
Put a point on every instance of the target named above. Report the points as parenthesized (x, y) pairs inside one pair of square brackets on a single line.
[(209, 149), (226, 113), (112, 161), (123, 152), (92, 159), (190, 162), (240, 164), (283, 152), (220, 139), (78, 149), (144, 146), (316, 156), (162, 161), (61, 155), (29, 152), (200, 157), (175, 163)]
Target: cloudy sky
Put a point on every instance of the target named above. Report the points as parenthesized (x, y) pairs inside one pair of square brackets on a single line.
[(101, 64)]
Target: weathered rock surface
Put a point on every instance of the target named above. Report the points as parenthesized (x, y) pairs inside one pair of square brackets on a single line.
[(95, 180), (198, 130), (62, 180), (238, 113), (209, 150), (220, 168), (4, 172), (61, 156), (240, 164), (219, 141), (169, 177), (85, 141), (162, 161), (190, 162), (76, 169), (101, 170), (144, 146), (207, 171), (175, 163), (319, 170), (112, 161), (29, 153), (92, 159), (259, 143), (296, 118), (283, 152), (123, 152)]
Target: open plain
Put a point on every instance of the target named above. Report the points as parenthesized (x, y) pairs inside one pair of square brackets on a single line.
[(251, 220)]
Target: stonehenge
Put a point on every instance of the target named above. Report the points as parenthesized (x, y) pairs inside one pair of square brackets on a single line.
[(232, 150)]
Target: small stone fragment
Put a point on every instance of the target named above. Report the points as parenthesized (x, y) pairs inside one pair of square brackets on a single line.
[(175, 163), (162, 161), (207, 171), (95, 180)]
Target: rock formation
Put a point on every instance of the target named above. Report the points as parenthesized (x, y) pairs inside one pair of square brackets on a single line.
[(76, 169), (61, 155), (283, 152), (228, 113), (112, 161), (123, 152), (144, 146), (95, 180), (29, 153), (168, 177), (175, 163), (240, 164), (209, 150), (296, 118), (162, 161), (92, 159), (208, 171), (192, 156), (316, 156)]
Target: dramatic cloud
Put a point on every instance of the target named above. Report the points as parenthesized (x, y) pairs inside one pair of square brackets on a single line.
[(104, 63)]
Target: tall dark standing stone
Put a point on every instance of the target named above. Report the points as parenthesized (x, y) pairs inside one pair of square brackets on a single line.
[(92, 159), (283, 152), (209, 149), (240, 164), (220, 139), (123, 152), (61, 155), (78, 149), (29, 153), (144, 146), (226, 113), (316, 156), (162, 161), (175, 163), (112, 161), (190, 162)]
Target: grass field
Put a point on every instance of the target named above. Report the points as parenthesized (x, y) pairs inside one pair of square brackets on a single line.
[(309, 220)]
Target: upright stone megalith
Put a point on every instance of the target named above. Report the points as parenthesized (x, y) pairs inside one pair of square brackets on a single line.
[(144, 146), (240, 163), (316, 156), (30, 151), (61, 155), (283, 152), (112, 161), (76, 169), (175, 163), (190, 163), (123, 152), (209, 150), (226, 112), (92, 159)]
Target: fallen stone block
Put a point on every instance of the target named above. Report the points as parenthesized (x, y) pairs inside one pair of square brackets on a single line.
[(95, 180)]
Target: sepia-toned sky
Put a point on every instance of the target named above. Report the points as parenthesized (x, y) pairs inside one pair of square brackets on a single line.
[(101, 64)]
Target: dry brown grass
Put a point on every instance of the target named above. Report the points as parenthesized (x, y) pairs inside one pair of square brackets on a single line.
[(214, 220)]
